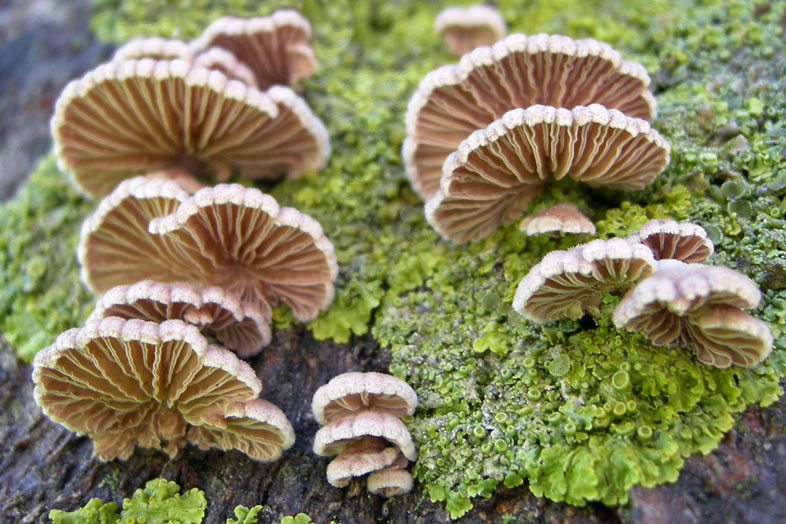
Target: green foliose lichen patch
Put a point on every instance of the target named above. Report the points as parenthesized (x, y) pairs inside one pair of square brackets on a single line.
[(578, 409)]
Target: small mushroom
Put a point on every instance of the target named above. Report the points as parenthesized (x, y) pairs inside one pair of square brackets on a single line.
[(391, 481), (676, 240), (354, 391), (337, 436), (561, 218), (496, 171), (365, 456), (520, 71), (257, 428), (569, 283), (240, 327), (128, 383), (222, 60), (277, 48), (131, 117), (465, 28), (700, 306)]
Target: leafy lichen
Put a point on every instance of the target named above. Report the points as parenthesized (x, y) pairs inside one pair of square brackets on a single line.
[(581, 411)]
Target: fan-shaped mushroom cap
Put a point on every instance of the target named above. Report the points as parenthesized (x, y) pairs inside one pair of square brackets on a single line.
[(224, 61), (697, 305), (390, 482), (724, 335), (341, 434), (453, 101), (465, 28), (130, 117), (561, 218), (257, 428), (669, 239), (365, 456), (350, 392), (277, 47), (153, 47), (566, 283), (495, 172), (128, 383), (240, 326)]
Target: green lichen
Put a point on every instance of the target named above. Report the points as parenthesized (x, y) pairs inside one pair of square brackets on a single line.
[(300, 518), (244, 515), (159, 502), (579, 410)]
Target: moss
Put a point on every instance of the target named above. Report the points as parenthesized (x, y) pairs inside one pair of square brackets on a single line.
[(582, 412), (159, 502)]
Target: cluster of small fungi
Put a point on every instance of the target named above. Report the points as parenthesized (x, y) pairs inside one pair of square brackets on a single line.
[(484, 136), (360, 414), (672, 298), (182, 266)]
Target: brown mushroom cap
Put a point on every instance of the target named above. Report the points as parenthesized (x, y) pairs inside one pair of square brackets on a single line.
[(130, 117), (277, 47), (560, 218), (567, 283), (228, 236), (365, 456), (257, 428), (465, 28), (241, 327), (390, 482), (497, 170), (676, 240), (128, 383), (350, 392), (696, 305), (453, 101), (154, 47), (339, 435)]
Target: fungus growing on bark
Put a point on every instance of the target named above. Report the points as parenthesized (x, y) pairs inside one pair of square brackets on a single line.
[(128, 383), (354, 391), (669, 239), (257, 428), (277, 48), (569, 283), (700, 306), (453, 101), (496, 171), (561, 218), (228, 236), (391, 481), (222, 60), (154, 47), (465, 28), (365, 456), (240, 326), (339, 435), (130, 117)]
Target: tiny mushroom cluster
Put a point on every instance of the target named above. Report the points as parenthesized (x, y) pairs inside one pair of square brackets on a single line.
[(188, 273), (671, 297), (485, 135), (360, 414)]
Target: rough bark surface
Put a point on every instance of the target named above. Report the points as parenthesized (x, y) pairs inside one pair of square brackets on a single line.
[(44, 466)]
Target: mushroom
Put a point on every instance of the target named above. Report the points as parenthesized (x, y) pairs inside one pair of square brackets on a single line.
[(354, 391), (241, 327), (128, 383), (570, 283), (154, 47), (222, 60), (453, 101), (561, 218), (697, 305), (135, 116), (257, 428), (229, 236), (465, 28), (677, 240), (496, 171), (277, 48), (391, 481), (361, 411)]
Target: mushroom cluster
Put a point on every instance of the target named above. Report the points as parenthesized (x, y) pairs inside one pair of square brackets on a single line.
[(361, 417), (670, 296), (485, 135), (187, 272)]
